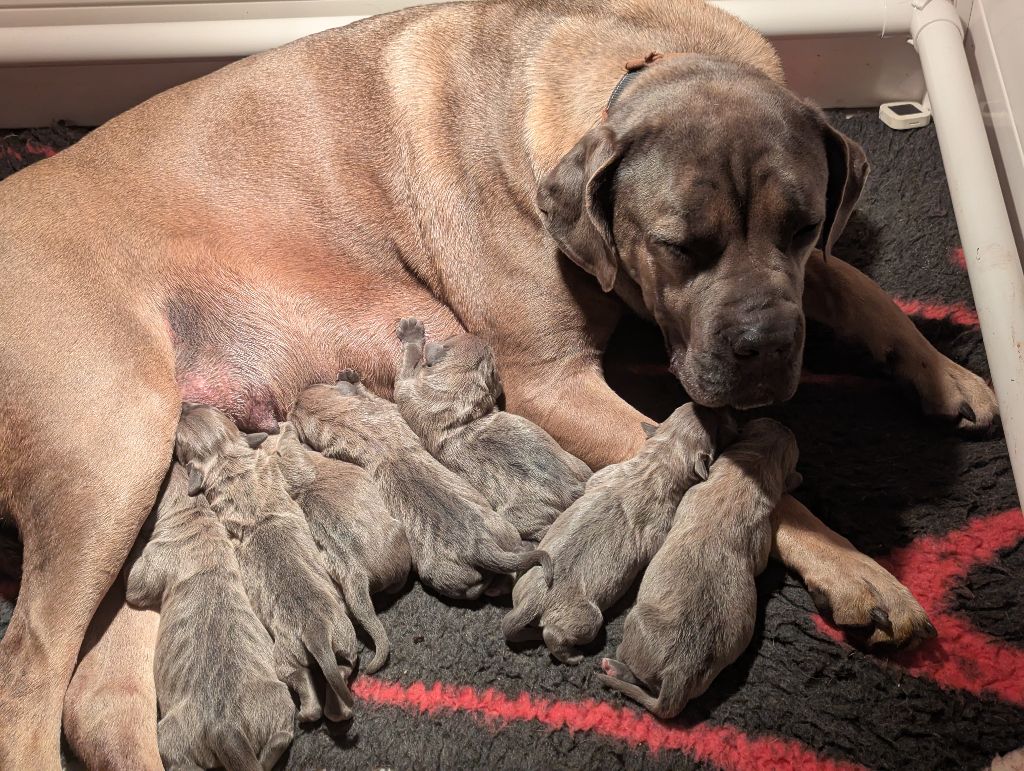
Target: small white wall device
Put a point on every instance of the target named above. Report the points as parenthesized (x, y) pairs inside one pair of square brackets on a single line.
[(904, 115)]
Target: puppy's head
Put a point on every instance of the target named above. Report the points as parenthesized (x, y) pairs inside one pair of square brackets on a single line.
[(204, 434), (463, 368), (344, 418), (292, 459), (699, 201), (773, 449)]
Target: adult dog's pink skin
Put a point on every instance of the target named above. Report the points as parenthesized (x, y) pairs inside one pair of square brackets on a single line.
[(237, 238)]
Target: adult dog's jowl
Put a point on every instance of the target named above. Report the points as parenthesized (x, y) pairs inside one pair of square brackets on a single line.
[(242, 236)]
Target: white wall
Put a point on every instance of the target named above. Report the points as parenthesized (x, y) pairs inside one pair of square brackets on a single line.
[(996, 50)]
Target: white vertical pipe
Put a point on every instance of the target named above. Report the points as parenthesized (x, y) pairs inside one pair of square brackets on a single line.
[(994, 268)]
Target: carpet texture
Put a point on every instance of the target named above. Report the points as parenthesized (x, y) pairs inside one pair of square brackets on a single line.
[(940, 511)]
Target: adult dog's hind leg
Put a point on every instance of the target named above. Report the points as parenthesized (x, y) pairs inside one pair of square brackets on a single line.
[(110, 706), (840, 296), (83, 451)]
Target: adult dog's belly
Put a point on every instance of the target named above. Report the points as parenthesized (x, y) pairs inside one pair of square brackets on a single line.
[(250, 334)]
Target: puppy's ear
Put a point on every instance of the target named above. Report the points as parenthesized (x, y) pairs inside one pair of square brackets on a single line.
[(702, 465), (793, 481), (433, 353), (255, 440), (196, 480), (847, 170), (576, 202), (649, 428)]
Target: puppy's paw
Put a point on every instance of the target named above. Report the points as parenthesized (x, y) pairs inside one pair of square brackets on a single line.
[(867, 602), (410, 330), (349, 375), (949, 391)]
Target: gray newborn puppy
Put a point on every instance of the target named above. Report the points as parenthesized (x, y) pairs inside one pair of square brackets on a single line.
[(601, 542), (460, 547), (220, 702), (282, 570), (364, 547), (697, 605), (448, 394)]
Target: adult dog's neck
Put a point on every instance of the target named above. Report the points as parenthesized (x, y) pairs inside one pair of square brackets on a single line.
[(577, 66)]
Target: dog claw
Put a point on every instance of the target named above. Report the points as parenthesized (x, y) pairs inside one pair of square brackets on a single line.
[(876, 611), (881, 620), (930, 632), (967, 412), (820, 600)]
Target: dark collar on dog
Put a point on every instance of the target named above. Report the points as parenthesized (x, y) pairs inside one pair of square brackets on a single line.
[(633, 68)]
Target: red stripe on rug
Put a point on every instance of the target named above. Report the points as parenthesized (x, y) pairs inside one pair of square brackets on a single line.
[(957, 258), (957, 313), (961, 656), (724, 746), (37, 148)]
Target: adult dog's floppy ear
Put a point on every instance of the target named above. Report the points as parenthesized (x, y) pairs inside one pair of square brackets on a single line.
[(575, 201), (847, 170)]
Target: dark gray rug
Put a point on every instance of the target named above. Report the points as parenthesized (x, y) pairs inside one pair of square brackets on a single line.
[(899, 486)]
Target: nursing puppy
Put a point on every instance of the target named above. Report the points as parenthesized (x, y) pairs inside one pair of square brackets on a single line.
[(282, 570), (460, 547), (363, 546), (448, 394), (601, 542), (220, 702), (697, 605)]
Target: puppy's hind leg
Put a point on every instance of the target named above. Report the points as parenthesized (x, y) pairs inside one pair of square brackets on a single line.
[(619, 677), (300, 681), (322, 645), (234, 751)]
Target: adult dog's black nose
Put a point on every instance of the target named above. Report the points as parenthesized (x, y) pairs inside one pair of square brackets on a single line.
[(763, 342)]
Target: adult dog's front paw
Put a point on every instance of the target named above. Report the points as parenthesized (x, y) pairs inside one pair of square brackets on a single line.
[(866, 601), (950, 391), (410, 330)]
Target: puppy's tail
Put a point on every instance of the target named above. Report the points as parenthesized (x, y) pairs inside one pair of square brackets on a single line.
[(338, 705), (357, 598), (497, 561), (667, 704), (234, 751), (514, 626)]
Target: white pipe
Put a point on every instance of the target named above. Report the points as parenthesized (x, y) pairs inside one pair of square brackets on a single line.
[(141, 41), (993, 265), (775, 18), (234, 38)]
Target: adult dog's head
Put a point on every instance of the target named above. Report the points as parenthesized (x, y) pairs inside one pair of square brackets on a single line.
[(699, 200)]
